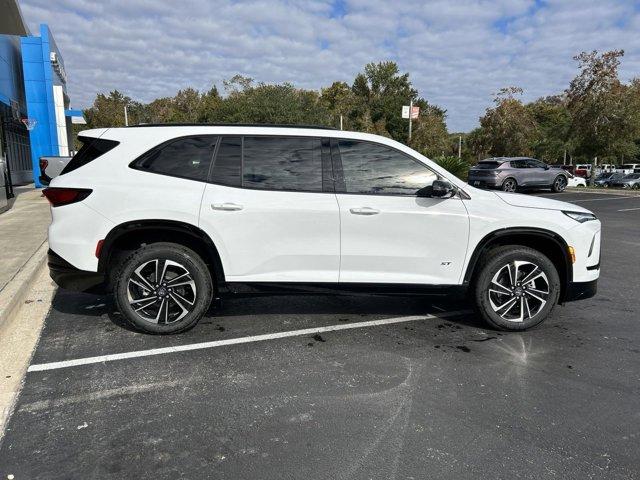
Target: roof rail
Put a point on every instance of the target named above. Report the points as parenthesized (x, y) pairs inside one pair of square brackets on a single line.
[(270, 125)]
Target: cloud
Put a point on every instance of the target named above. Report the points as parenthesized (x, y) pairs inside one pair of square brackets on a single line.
[(458, 53)]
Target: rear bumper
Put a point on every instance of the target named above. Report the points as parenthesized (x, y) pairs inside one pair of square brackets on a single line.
[(71, 278), (580, 290), (483, 182)]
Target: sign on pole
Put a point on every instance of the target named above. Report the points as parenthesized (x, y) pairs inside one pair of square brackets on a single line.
[(415, 111), (405, 111)]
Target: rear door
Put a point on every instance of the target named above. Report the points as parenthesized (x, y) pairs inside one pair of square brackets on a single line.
[(388, 233), (271, 210)]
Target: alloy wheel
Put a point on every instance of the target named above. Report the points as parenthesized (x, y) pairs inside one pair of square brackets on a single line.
[(560, 184), (161, 291), (509, 185), (519, 291)]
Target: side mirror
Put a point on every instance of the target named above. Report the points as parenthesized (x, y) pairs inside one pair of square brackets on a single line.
[(442, 189), (546, 167)]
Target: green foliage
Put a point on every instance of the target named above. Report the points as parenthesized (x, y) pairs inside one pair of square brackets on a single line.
[(457, 166), (597, 116)]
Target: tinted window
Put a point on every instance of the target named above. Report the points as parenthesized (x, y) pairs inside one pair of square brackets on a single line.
[(188, 157), (91, 149), (227, 167), (519, 164), (376, 169), (535, 164), (487, 165), (282, 163)]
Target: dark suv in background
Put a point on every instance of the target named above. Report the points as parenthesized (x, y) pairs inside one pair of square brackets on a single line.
[(512, 173)]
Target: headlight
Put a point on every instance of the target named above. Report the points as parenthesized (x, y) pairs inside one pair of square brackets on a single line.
[(580, 216)]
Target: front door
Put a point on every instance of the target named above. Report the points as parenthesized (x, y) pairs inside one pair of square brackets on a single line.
[(388, 233), (267, 212)]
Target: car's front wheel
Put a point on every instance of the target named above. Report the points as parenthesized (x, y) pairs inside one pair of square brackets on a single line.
[(516, 288), (163, 288)]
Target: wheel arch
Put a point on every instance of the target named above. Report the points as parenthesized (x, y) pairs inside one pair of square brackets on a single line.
[(130, 235), (545, 241)]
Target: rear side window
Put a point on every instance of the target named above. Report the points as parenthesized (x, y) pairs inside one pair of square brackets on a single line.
[(91, 149), (282, 163), (519, 164), (227, 168), (188, 157)]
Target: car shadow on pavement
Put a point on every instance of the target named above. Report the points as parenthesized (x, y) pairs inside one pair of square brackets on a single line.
[(356, 307)]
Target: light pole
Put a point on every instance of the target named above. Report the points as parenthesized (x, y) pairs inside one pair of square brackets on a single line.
[(126, 117)]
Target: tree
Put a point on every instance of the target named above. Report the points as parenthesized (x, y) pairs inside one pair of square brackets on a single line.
[(380, 92), (603, 121), (108, 110), (507, 129), (551, 140), (430, 136)]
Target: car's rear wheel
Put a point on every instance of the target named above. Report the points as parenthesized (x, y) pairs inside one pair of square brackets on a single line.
[(636, 186), (516, 288), (509, 185), (163, 288), (559, 184)]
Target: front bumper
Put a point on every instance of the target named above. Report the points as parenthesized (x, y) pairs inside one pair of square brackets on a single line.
[(71, 278), (580, 291)]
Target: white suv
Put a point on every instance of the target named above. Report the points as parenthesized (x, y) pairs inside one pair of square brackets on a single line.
[(168, 217)]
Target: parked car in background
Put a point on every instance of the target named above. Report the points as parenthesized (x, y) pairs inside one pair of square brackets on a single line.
[(51, 167), (512, 173), (583, 170), (606, 179), (631, 181), (628, 168), (574, 181)]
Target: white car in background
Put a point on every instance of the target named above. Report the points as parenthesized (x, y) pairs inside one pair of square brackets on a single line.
[(575, 182)]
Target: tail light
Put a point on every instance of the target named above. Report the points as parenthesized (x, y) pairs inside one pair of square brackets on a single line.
[(64, 196), (44, 163)]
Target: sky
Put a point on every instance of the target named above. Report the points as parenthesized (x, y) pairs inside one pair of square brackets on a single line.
[(458, 53)]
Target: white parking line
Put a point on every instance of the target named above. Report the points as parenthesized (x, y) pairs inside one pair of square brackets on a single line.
[(628, 209), (603, 199), (234, 341)]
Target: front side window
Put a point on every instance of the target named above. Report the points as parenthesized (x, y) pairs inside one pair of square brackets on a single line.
[(372, 168), (535, 164), (282, 163), (188, 157)]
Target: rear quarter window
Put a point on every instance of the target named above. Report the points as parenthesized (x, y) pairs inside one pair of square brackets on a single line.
[(91, 149)]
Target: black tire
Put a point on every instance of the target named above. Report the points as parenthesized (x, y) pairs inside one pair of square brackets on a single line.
[(509, 185), (605, 185), (493, 266), (184, 300), (636, 186), (559, 184)]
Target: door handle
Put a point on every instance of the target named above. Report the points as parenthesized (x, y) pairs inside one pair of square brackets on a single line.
[(364, 211), (227, 207)]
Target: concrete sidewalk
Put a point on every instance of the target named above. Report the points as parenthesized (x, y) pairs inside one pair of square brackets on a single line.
[(23, 235)]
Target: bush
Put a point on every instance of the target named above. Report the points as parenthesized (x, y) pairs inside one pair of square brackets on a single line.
[(454, 165)]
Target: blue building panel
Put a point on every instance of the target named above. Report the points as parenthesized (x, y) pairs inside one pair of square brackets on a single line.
[(40, 77)]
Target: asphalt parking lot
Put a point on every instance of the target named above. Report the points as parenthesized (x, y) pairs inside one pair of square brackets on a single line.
[(427, 393)]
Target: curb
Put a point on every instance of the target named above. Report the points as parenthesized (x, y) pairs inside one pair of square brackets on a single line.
[(13, 294)]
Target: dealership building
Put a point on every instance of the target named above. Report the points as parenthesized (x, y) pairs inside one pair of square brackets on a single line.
[(35, 117)]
